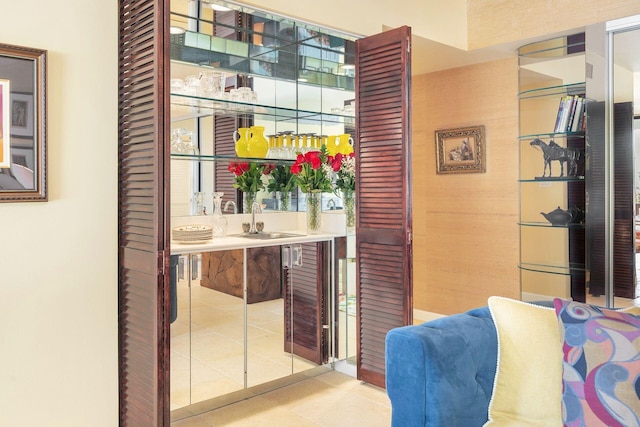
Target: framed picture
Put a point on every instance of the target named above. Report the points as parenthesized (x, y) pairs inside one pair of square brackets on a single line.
[(461, 150), (23, 165), (21, 114), (5, 139)]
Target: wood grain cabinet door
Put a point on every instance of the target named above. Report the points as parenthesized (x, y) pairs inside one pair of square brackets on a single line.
[(383, 229), (143, 212)]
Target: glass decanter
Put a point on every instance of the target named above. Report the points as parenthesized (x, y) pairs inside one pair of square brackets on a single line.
[(218, 221)]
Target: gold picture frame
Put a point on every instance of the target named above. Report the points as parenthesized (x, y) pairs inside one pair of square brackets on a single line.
[(23, 164), (461, 150)]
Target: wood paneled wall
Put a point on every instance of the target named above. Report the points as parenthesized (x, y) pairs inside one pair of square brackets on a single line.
[(466, 237), (493, 22)]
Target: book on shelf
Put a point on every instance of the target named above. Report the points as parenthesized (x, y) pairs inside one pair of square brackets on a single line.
[(570, 114), (578, 115)]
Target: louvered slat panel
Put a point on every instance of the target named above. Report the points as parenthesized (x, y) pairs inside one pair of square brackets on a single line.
[(595, 178), (383, 192), (622, 241), (309, 305), (225, 146), (623, 200), (143, 220)]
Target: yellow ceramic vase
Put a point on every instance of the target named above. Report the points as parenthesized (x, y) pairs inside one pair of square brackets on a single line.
[(344, 144), (241, 138), (332, 145), (258, 145)]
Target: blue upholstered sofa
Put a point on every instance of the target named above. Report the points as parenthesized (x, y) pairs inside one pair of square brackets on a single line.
[(441, 373)]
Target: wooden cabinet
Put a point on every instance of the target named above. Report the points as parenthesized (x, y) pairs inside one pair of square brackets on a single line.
[(223, 271)]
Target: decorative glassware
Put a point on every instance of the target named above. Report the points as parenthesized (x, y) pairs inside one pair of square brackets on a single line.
[(198, 207), (349, 204), (283, 200), (218, 221), (314, 212), (248, 197)]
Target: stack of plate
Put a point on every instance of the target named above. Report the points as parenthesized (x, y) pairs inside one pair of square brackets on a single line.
[(193, 233)]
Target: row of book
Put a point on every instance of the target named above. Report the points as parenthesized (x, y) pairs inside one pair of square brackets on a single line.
[(571, 114)]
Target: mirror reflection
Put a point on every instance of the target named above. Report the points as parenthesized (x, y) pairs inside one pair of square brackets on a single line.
[(250, 92)]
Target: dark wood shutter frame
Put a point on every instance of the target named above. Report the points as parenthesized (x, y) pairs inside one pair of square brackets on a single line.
[(143, 212), (383, 229)]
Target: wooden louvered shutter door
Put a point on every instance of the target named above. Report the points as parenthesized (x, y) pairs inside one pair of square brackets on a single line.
[(143, 284), (383, 229), (624, 283), (225, 146), (306, 305)]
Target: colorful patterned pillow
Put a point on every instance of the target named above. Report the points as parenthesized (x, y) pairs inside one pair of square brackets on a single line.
[(601, 365)]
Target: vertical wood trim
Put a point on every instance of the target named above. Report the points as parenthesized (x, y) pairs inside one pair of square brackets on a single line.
[(383, 229), (143, 217)]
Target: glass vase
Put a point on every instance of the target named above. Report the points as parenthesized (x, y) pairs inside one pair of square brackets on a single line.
[(284, 200), (349, 204), (314, 212), (248, 198), (218, 221)]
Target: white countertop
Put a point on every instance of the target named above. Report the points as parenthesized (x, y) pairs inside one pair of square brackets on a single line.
[(238, 242), (282, 222)]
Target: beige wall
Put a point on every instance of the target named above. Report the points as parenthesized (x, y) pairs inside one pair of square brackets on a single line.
[(493, 22), (466, 241), (58, 287)]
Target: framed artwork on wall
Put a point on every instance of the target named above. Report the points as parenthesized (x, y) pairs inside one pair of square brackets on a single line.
[(23, 72), (461, 150)]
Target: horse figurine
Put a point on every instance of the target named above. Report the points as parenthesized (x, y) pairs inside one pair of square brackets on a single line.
[(553, 151)]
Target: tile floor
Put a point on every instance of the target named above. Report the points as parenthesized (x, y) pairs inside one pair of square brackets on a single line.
[(329, 399)]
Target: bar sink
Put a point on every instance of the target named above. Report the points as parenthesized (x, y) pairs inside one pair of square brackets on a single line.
[(261, 235)]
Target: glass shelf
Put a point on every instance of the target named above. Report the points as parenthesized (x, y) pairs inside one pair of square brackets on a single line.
[(552, 135), (192, 106), (560, 90), (555, 179), (557, 48), (229, 159), (570, 270), (549, 225)]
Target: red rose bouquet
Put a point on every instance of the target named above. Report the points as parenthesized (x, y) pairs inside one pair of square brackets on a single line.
[(314, 171)]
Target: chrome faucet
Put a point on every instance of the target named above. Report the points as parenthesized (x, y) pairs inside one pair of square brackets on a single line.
[(331, 204), (231, 203), (254, 207)]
